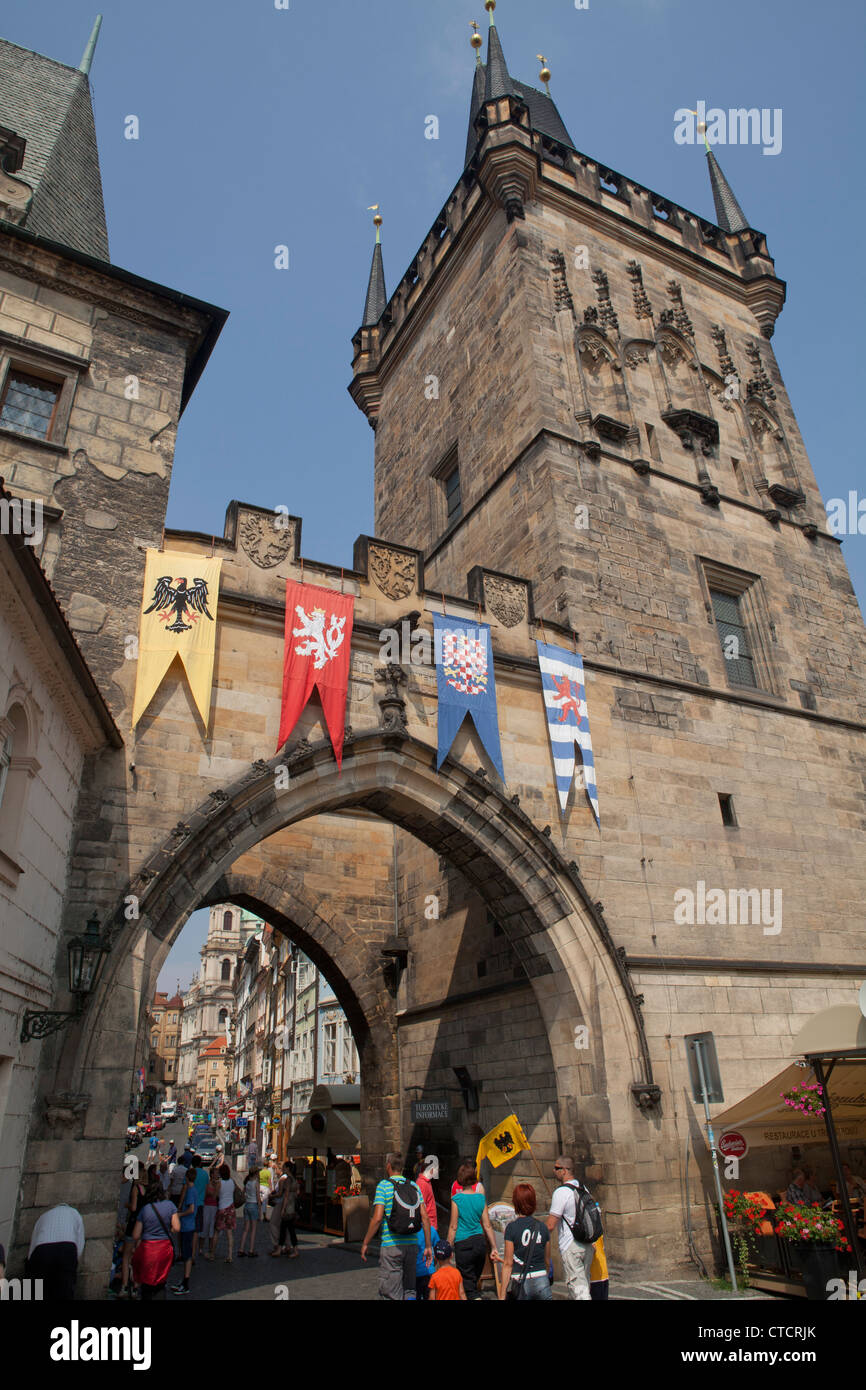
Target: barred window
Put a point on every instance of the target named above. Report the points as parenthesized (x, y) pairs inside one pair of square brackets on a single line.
[(29, 404), (734, 638)]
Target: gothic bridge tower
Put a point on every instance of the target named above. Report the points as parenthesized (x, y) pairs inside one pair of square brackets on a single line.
[(573, 386)]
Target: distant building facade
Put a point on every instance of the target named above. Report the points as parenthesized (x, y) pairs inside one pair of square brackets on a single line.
[(164, 1023), (208, 1004)]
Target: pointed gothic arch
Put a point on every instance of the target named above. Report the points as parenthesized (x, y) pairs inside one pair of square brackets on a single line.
[(559, 935), (601, 376)]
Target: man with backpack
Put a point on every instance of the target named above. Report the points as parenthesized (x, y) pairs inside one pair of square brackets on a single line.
[(400, 1210), (575, 1211)]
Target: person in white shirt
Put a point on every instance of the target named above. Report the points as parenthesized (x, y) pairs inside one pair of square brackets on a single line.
[(56, 1245), (576, 1256)]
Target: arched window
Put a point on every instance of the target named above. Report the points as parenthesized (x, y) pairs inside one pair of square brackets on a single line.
[(17, 766), (227, 970), (227, 921), (6, 747), (223, 1015)]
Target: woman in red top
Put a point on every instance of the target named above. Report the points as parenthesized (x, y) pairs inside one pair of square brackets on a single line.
[(428, 1175)]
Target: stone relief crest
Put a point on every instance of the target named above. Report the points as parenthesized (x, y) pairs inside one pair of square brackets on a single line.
[(506, 599), (266, 539), (393, 571)]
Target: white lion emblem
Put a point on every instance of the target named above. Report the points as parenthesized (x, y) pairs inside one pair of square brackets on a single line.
[(322, 645)]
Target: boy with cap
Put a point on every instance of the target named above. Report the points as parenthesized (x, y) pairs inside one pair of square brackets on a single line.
[(446, 1283)]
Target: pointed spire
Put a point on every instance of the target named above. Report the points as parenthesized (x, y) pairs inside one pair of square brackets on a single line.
[(498, 82), (87, 60), (374, 305), (729, 215), (475, 105)]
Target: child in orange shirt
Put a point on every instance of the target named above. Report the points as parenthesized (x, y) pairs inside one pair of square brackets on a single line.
[(446, 1283)]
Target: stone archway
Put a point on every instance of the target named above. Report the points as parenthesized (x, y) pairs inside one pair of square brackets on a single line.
[(351, 966), (559, 936)]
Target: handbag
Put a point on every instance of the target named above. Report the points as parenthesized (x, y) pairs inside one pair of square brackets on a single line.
[(513, 1292), (147, 1262)]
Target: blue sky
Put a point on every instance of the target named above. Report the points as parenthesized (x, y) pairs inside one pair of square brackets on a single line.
[(261, 127)]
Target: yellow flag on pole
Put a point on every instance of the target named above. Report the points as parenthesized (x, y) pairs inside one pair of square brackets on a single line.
[(178, 618), (502, 1143)]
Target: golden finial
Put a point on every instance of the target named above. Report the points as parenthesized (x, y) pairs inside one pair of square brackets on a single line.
[(490, 6), (476, 41), (702, 130), (377, 220), (544, 75)]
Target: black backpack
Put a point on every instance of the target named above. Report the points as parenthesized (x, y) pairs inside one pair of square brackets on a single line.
[(586, 1227), (405, 1216)]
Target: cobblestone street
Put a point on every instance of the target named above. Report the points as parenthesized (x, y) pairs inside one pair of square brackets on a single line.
[(329, 1271)]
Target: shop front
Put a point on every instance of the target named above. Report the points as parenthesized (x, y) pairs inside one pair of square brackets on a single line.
[(796, 1210), (325, 1147)]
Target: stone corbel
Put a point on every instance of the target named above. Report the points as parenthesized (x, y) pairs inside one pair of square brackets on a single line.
[(509, 175), (647, 1096), (66, 1110)]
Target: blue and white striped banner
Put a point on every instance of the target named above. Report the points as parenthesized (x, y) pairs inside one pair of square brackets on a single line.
[(567, 720)]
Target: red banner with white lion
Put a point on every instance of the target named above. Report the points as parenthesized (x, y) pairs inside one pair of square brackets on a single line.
[(317, 655)]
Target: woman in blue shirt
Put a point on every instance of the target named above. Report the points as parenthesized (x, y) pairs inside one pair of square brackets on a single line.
[(469, 1230)]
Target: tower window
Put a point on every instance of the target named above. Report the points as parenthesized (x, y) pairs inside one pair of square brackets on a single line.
[(734, 637), (226, 970), (227, 921), (453, 504), (652, 443), (446, 477), (738, 476), (29, 405), (726, 806)]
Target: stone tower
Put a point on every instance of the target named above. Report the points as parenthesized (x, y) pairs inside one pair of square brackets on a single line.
[(573, 385), (96, 364)]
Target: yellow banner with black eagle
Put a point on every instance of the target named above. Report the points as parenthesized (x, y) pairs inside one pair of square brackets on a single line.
[(502, 1143), (178, 618)]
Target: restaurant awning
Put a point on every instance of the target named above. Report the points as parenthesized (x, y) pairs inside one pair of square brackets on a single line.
[(340, 1133), (764, 1118), (835, 1032), (333, 1122)]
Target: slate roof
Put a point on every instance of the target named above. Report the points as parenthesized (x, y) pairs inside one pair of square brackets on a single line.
[(729, 215), (48, 104), (374, 306), (493, 80)]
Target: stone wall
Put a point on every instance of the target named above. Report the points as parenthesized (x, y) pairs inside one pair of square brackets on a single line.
[(53, 729)]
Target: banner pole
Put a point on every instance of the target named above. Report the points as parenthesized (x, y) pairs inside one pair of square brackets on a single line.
[(540, 1174), (513, 1112)]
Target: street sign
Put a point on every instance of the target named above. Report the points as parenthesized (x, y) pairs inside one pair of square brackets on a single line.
[(427, 1110), (715, 1094), (733, 1144)]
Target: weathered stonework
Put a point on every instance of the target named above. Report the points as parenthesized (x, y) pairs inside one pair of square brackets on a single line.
[(544, 925)]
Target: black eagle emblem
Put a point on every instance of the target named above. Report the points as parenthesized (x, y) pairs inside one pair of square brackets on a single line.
[(504, 1142), (173, 596)]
